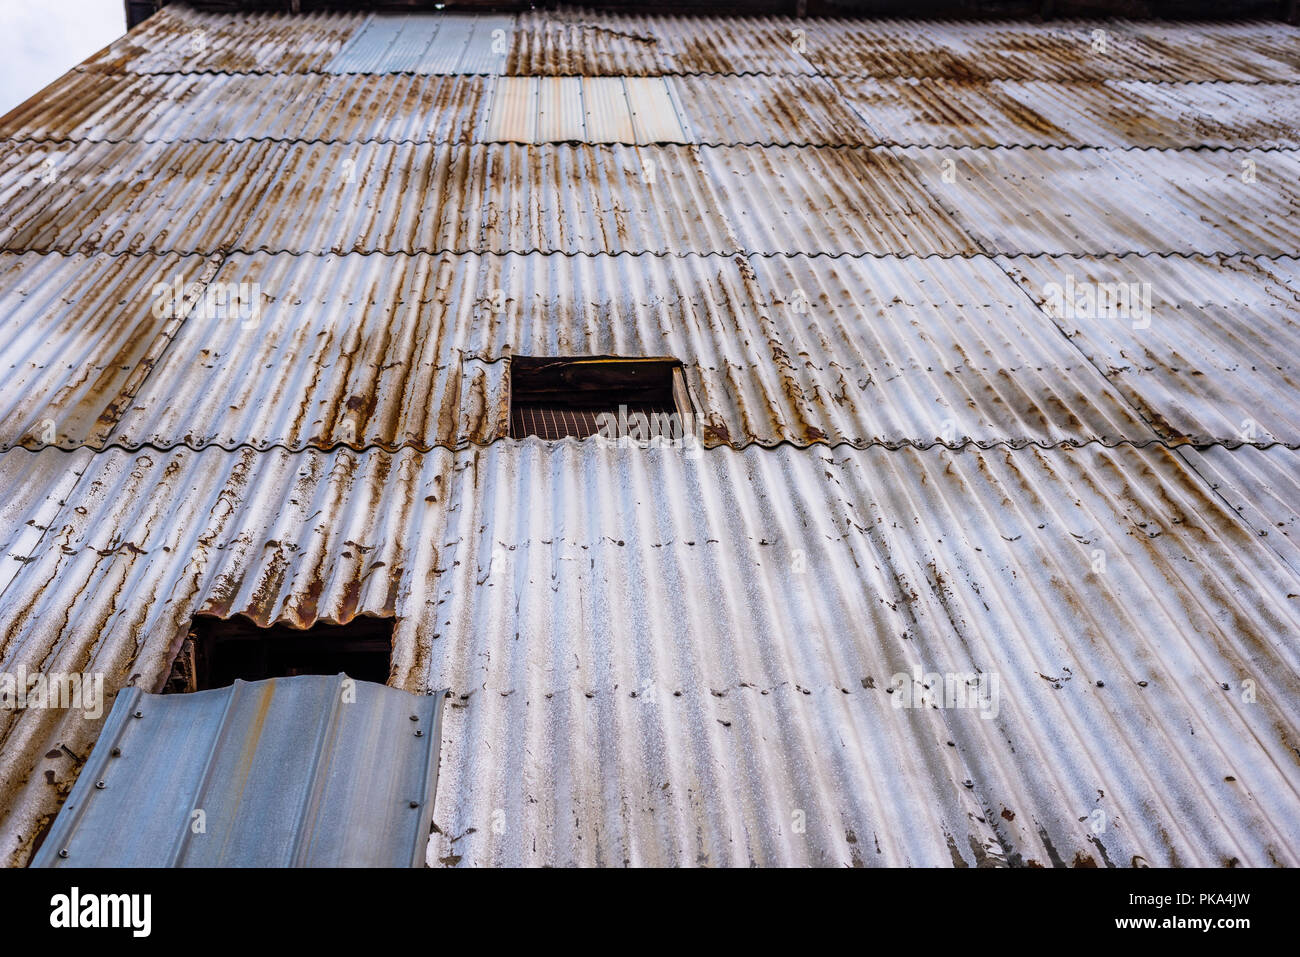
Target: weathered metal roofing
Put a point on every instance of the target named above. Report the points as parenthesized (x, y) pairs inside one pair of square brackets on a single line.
[(1214, 360), (1096, 583), (178, 39), (407, 350), (309, 771), (1262, 486), (720, 630), (427, 43), (1116, 113), (1099, 201)]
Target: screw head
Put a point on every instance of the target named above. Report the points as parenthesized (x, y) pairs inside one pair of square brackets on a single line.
[(100, 785), (63, 853), (116, 752), (419, 733), (415, 717), (139, 714), (415, 804)]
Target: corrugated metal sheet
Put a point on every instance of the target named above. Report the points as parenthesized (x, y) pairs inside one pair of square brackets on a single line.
[(575, 42), (179, 39), (427, 43), (1098, 201), (585, 109), (1062, 50), (569, 42), (370, 350), (206, 107), (846, 293), (1260, 485), (719, 110), (310, 771), (1097, 584), (1215, 358), (78, 337), (1118, 113), (313, 198)]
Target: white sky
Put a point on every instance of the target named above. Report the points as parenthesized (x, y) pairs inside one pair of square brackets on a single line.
[(40, 40)]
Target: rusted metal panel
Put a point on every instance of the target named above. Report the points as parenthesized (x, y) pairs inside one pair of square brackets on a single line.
[(848, 201), (769, 110), (1116, 584), (78, 336), (132, 197), (1061, 51), (582, 43), (1021, 591), (408, 350), (1099, 201), (1260, 485), (1118, 113), (179, 39), (1203, 348), (250, 106), (308, 771)]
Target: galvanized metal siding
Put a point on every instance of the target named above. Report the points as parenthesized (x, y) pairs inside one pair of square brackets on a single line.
[(78, 336), (310, 771)]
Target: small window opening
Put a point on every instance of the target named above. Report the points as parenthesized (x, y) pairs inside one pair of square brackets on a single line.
[(558, 397), (217, 651)]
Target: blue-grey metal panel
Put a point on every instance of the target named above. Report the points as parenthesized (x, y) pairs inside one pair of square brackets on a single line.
[(309, 771), (434, 43)]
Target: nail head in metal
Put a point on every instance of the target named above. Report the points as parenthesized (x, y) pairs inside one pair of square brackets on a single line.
[(100, 785), (139, 714), (419, 733), (63, 853)]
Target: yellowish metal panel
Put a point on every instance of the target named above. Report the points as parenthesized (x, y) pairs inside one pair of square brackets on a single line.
[(559, 109), (514, 111), (654, 115), (609, 118)]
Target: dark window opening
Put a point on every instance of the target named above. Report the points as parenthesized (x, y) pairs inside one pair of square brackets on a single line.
[(217, 651), (558, 397)]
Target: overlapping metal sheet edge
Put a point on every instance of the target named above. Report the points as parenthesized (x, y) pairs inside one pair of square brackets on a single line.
[(1203, 348), (319, 198), (1120, 604), (715, 110), (307, 771), (388, 352), (575, 42), (1260, 485)]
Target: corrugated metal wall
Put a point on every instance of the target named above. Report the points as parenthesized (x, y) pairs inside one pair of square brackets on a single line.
[(850, 233)]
